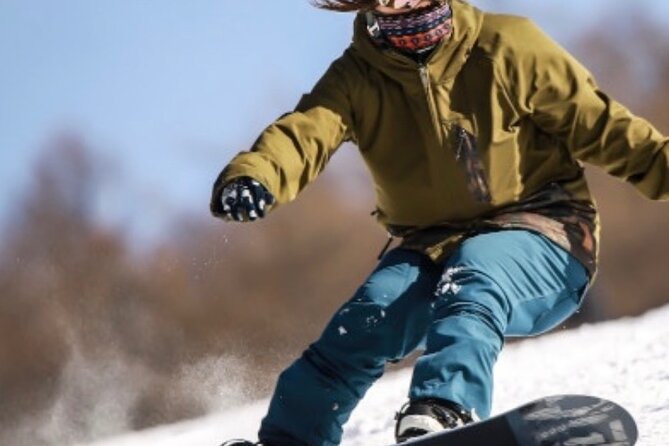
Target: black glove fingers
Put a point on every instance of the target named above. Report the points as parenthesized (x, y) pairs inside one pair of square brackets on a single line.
[(245, 199), (228, 200), (259, 192), (248, 204), (269, 198)]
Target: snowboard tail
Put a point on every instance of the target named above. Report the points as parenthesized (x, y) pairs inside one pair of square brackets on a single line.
[(564, 420)]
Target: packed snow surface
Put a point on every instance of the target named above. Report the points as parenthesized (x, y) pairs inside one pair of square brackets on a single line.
[(626, 361)]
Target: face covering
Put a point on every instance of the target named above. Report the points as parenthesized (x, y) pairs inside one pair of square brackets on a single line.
[(399, 4), (416, 31)]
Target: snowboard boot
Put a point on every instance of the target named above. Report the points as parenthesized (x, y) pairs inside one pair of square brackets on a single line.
[(423, 417)]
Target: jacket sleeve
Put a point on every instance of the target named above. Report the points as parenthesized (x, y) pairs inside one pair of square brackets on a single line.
[(562, 99), (292, 151)]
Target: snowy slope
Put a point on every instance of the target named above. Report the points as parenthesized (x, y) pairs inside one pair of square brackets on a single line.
[(626, 361)]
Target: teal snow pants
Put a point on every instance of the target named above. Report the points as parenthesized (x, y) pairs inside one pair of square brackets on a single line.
[(496, 285)]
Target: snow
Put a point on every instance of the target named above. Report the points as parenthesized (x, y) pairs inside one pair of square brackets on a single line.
[(626, 361)]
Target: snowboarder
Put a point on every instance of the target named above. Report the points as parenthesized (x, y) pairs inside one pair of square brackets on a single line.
[(473, 126)]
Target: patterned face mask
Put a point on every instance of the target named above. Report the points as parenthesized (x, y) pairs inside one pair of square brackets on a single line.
[(399, 4), (415, 31)]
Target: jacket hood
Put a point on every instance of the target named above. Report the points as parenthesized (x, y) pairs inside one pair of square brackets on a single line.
[(446, 60)]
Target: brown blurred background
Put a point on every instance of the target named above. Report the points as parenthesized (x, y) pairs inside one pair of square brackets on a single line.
[(97, 336)]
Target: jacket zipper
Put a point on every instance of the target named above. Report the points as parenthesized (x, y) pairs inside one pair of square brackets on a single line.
[(427, 88)]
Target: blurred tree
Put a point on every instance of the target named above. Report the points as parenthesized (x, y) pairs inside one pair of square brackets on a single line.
[(82, 314), (34, 345), (632, 66)]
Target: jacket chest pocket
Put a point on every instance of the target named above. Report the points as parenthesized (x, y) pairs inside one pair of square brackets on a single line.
[(463, 142)]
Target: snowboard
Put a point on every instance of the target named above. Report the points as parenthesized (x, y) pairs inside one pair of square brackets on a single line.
[(563, 420)]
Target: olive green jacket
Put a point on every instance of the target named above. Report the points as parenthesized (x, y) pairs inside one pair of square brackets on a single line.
[(488, 134)]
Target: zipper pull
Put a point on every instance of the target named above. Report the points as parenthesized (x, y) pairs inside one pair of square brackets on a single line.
[(424, 77), (462, 137), (387, 245)]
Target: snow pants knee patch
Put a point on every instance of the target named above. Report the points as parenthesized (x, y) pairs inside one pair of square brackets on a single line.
[(506, 283)]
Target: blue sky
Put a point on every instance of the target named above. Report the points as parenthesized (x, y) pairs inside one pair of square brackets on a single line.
[(168, 90)]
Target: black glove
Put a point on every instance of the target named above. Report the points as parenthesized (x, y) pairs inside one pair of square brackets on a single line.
[(245, 199)]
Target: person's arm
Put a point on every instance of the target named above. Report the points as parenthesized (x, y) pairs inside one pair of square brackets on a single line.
[(292, 151), (562, 98)]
